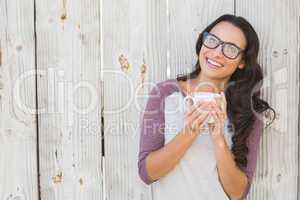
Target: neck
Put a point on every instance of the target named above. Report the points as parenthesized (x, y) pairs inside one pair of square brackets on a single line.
[(206, 84)]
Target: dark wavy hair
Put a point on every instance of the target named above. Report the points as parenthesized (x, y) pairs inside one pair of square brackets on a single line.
[(243, 90)]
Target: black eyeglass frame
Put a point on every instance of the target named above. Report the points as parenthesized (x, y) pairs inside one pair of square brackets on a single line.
[(220, 42)]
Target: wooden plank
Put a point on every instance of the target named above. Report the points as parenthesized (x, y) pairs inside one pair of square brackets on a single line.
[(187, 19), (277, 171), (156, 51), (298, 72), (134, 59), (68, 60), (18, 158)]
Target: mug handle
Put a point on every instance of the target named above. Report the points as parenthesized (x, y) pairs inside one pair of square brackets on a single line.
[(188, 97)]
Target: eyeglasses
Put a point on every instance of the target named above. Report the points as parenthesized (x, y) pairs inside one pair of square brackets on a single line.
[(229, 49)]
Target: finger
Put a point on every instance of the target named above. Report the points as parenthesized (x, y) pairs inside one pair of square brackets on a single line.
[(201, 118), (200, 121), (217, 117), (201, 102), (212, 101), (196, 105), (224, 102), (216, 108), (192, 108), (211, 126), (219, 122), (216, 125), (205, 105), (195, 122), (223, 97), (220, 117), (215, 113), (188, 111), (199, 110), (195, 116), (218, 97), (220, 112), (220, 126), (195, 110)]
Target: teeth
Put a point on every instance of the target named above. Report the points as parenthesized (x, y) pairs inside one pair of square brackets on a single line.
[(213, 62)]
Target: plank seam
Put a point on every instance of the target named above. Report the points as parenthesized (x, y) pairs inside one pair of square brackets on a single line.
[(234, 7), (36, 103), (298, 53)]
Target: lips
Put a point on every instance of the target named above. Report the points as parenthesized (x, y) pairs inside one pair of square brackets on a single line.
[(213, 64)]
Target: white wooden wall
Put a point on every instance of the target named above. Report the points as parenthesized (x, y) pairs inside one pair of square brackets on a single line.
[(96, 59)]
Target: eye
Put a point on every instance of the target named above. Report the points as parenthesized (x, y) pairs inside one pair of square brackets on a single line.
[(211, 41), (231, 50)]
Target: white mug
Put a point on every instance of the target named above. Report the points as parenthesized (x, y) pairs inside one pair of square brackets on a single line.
[(202, 96)]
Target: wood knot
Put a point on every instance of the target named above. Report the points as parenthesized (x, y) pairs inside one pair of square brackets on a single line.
[(275, 54), (58, 178), (17, 198), (63, 16), (124, 63), (80, 181), (143, 69), (19, 47)]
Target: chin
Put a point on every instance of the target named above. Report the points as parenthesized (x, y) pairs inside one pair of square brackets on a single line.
[(213, 74)]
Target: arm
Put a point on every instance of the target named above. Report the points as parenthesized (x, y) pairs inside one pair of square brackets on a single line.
[(155, 159), (235, 181), (152, 131), (160, 162)]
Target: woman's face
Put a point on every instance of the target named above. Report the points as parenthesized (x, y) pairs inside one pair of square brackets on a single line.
[(224, 67)]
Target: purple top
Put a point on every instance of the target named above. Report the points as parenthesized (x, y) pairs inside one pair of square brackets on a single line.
[(152, 131)]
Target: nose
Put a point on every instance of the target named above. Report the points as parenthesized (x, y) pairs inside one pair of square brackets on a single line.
[(217, 52)]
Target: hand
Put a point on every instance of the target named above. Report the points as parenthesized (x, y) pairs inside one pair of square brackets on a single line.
[(196, 116), (218, 112)]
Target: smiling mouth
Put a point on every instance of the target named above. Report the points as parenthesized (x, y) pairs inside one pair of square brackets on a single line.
[(213, 64)]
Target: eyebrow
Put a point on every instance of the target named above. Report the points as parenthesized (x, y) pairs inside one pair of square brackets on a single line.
[(226, 42)]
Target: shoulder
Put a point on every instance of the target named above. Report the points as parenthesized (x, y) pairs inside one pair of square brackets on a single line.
[(159, 92), (165, 88)]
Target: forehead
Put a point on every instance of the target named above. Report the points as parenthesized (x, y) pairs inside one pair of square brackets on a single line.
[(229, 33)]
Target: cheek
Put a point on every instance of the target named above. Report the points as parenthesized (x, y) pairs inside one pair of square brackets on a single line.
[(202, 54), (231, 65), (204, 51)]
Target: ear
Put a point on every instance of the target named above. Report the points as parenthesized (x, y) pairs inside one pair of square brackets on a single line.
[(241, 65)]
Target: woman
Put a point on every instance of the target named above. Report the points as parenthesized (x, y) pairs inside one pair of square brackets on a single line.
[(178, 156)]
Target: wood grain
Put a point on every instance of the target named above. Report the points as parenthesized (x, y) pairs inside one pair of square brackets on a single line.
[(69, 99), (134, 60), (187, 19), (18, 145), (278, 30)]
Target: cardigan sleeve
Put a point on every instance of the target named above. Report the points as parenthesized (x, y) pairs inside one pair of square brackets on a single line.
[(253, 148), (151, 131)]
